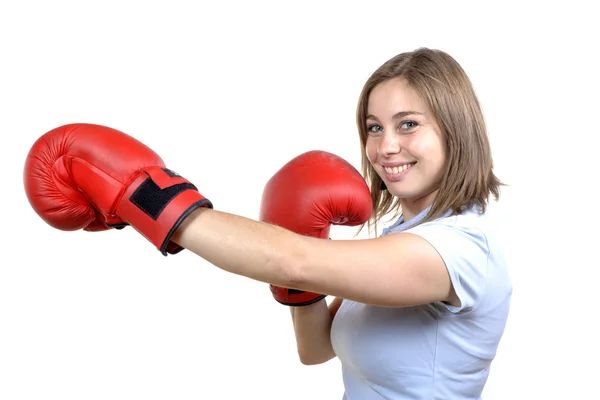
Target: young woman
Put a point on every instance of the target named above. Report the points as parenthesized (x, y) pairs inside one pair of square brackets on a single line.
[(417, 313)]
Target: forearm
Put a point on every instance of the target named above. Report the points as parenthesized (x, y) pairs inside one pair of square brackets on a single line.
[(262, 252), (242, 246), (312, 327)]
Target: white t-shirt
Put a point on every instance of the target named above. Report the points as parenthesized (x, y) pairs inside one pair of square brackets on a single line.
[(434, 351)]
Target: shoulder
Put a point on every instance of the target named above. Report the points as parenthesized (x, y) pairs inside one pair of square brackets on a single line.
[(469, 227), (469, 246)]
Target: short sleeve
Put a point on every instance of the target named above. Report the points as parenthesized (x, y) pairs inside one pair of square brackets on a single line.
[(465, 252)]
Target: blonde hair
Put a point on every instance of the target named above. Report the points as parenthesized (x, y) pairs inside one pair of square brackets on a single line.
[(468, 178)]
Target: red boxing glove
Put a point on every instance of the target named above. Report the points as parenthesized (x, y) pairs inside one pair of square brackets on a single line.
[(310, 193), (91, 177)]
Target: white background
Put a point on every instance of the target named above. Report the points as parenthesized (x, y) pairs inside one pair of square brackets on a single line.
[(226, 92)]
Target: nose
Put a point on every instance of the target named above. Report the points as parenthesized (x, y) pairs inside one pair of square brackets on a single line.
[(389, 144)]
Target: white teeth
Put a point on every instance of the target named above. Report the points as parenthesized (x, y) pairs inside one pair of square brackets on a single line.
[(396, 170)]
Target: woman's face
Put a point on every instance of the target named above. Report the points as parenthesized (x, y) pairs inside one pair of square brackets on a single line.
[(404, 143)]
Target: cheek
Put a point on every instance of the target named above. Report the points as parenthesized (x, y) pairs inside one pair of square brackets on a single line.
[(431, 150), (371, 150)]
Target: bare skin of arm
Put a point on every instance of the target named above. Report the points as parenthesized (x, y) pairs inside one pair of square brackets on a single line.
[(392, 271), (312, 326)]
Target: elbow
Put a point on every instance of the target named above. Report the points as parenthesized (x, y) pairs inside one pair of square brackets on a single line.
[(315, 356), (308, 359)]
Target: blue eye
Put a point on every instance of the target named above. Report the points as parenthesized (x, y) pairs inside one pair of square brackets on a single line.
[(374, 128), (409, 125)]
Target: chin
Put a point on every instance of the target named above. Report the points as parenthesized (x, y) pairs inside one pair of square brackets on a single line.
[(403, 194), (397, 190)]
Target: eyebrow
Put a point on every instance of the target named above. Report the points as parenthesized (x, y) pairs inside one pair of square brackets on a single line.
[(398, 115)]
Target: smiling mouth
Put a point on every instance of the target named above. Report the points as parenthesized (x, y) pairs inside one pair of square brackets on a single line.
[(397, 170)]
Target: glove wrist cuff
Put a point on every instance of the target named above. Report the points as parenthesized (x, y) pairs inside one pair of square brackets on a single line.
[(156, 203), (295, 298)]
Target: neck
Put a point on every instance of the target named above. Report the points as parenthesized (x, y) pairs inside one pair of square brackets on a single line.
[(411, 207)]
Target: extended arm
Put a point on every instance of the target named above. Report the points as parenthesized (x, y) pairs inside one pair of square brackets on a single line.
[(394, 270), (82, 176)]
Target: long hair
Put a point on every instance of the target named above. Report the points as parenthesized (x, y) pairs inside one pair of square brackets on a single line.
[(468, 178)]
